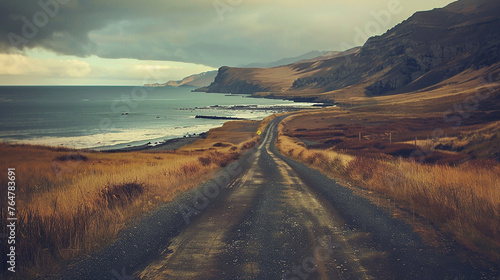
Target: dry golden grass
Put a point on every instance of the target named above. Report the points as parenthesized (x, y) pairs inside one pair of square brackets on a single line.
[(392, 135), (463, 200), (482, 142), (72, 203), (232, 136), (70, 207)]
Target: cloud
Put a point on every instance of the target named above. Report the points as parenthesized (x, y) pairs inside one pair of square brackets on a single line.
[(41, 67), (214, 33), (150, 67), (15, 64)]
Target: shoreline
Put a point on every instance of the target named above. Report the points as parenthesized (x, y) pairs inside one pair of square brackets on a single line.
[(167, 145), (175, 143), (172, 144)]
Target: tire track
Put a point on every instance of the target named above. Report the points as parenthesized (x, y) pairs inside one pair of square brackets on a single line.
[(193, 253)]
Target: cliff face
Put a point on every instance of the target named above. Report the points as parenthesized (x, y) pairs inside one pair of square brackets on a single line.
[(425, 49), (229, 82), (432, 46)]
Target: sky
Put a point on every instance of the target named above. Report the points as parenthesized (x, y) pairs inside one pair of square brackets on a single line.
[(130, 42)]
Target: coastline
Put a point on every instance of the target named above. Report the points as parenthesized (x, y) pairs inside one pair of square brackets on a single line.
[(166, 145), (92, 122), (170, 144), (183, 114), (175, 143)]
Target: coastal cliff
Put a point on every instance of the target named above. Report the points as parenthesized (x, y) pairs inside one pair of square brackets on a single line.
[(422, 51), (227, 82)]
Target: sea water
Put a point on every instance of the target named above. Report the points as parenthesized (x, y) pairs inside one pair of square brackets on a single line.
[(97, 116)]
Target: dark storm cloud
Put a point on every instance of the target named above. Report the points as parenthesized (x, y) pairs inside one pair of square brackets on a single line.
[(58, 26), (111, 28), (213, 32)]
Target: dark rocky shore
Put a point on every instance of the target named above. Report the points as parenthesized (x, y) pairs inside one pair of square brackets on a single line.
[(167, 145)]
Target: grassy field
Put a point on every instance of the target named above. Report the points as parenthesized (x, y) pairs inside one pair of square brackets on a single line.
[(71, 203), (453, 181), (233, 136)]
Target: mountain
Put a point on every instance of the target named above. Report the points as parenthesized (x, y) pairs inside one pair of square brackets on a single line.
[(196, 80), (204, 79), (290, 60), (424, 50), (275, 79)]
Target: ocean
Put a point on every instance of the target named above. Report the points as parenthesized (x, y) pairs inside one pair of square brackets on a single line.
[(114, 116)]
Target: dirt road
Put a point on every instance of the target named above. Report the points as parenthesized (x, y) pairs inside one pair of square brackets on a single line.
[(273, 218)]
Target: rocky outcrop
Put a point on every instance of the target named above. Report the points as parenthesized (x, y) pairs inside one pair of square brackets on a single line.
[(227, 81)]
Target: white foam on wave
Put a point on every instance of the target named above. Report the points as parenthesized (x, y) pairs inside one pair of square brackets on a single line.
[(116, 138)]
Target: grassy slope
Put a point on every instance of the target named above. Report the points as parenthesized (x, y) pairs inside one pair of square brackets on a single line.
[(72, 202)]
